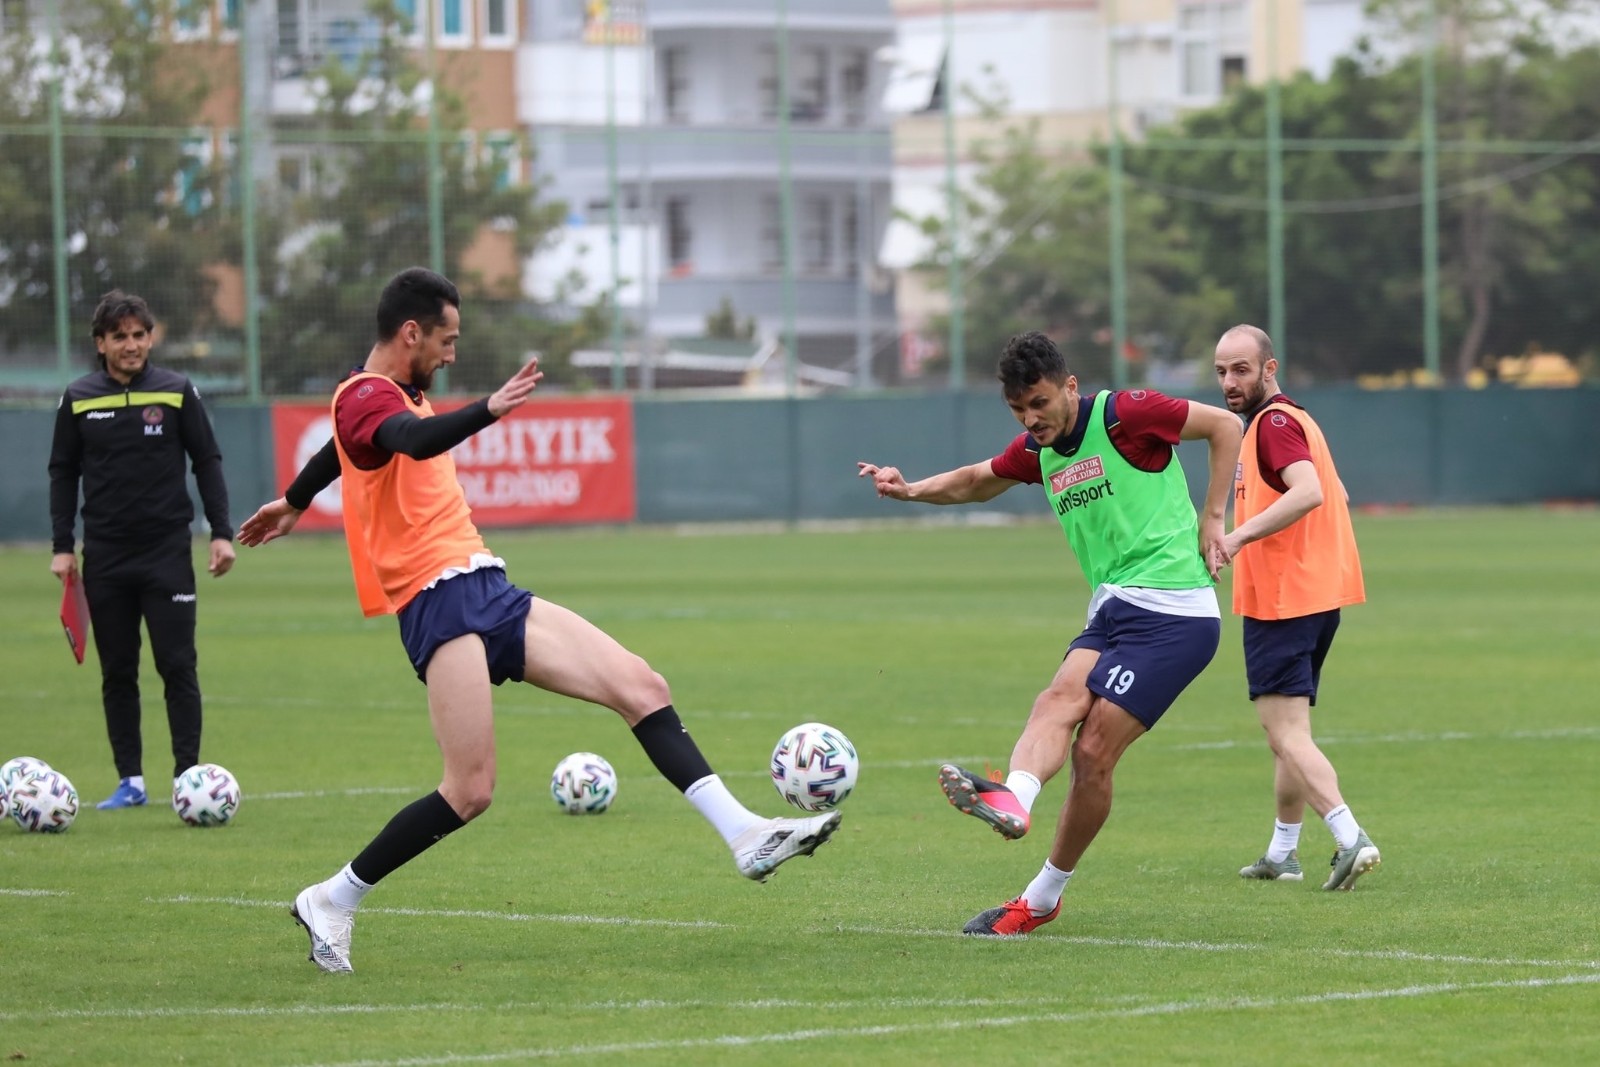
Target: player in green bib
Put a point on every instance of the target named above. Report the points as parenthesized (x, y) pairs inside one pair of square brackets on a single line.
[(1109, 467)]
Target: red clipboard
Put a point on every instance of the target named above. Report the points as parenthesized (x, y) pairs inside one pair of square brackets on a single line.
[(75, 615)]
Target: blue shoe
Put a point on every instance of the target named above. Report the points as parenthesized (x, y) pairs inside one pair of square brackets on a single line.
[(125, 796)]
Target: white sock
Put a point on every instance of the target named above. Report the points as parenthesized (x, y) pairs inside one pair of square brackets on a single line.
[(137, 781), (1285, 839), (1344, 826), (345, 890), (712, 799), (1044, 892), (1025, 786)]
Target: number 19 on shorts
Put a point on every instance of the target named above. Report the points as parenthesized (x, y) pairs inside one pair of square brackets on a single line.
[(1119, 679)]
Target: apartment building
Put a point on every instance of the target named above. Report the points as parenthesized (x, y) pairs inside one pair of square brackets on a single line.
[(673, 110)]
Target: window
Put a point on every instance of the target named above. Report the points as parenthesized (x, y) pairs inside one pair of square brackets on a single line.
[(1233, 72), (454, 25), (808, 96), (189, 185), (231, 15), (410, 13), (816, 235), (497, 25), (500, 155), (853, 77), (680, 242), (767, 58), (850, 237), (772, 235), (1196, 68), (808, 84), (675, 83), (191, 19), (1213, 40), (294, 174)]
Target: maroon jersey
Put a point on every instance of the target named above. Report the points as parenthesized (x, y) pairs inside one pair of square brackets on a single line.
[(1280, 441), (359, 413), (1144, 431)]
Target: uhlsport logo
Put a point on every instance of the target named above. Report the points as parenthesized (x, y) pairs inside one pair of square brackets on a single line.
[(1090, 470)]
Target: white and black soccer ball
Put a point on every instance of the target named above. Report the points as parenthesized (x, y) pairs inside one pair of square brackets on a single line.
[(19, 767), (583, 784), (814, 767), (206, 795), (42, 801)]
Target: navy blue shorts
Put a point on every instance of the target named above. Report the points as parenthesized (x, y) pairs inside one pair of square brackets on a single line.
[(479, 602), (1146, 657), (1284, 656)]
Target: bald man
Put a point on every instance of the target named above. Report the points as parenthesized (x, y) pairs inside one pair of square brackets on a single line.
[(1295, 566)]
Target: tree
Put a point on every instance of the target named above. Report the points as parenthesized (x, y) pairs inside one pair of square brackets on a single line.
[(1353, 235), (140, 213), (366, 217), (1519, 234), (725, 323), (1036, 240)]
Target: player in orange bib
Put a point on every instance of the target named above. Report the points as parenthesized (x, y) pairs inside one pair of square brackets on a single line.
[(415, 553), (1295, 566)]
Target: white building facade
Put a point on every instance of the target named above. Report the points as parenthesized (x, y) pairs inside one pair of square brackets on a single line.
[(672, 109)]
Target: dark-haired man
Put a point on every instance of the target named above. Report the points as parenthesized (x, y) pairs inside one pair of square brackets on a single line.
[(123, 432), (1111, 475), (415, 553)]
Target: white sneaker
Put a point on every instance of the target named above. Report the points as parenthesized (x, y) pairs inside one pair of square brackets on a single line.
[(761, 849), (328, 926)]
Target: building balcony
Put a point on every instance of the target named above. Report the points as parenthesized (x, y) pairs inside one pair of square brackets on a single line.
[(563, 20), (580, 155), (822, 304), (846, 15)]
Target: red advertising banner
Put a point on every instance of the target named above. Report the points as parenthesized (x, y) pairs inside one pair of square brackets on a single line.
[(548, 461)]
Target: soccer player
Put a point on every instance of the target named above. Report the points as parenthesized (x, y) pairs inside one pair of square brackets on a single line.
[(126, 432), (1295, 566), (1111, 476), (416, 553)]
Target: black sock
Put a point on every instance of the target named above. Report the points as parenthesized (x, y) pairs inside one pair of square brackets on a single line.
[(666, 741), (414, 829)]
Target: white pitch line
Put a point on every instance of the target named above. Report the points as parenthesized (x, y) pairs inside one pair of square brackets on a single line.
[(366, 791), (889, 931), (34, 893), (1176, 1007), (306, 1010), (454, 913), (418, 790), (1558, 734)]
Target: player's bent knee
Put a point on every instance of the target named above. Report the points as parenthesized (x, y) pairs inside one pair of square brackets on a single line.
[(645, 692), (474, 804)]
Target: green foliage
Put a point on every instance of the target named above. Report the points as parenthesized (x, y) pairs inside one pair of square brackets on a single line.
[(128, 224), (725, 323), (1519, 233), (532, 936)]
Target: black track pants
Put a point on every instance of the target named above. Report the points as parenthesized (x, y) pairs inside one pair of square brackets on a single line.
[(155, 583)]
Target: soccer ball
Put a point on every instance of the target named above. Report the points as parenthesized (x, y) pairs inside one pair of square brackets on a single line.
[(205, 795), (13, 770), (583, 784), (43, 802), (814, 767)]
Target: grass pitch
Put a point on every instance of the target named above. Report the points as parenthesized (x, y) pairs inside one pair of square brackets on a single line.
[(1458, 707)]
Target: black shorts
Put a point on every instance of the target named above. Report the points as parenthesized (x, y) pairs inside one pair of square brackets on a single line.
[(1284, 656), (481, 602), (1146, 657)]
